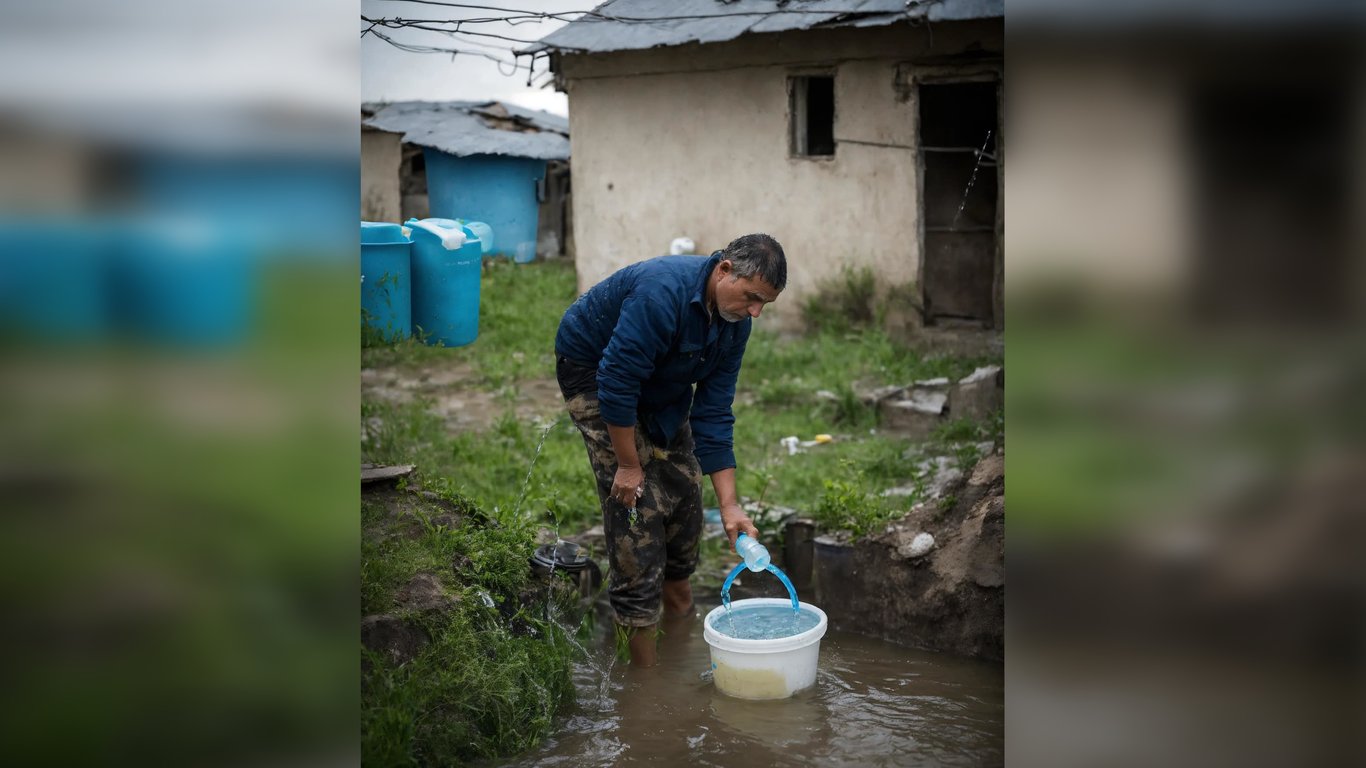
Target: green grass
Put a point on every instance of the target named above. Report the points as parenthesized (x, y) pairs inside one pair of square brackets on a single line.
[(491, 467), (495, 671), (481, 688), (519, 309)]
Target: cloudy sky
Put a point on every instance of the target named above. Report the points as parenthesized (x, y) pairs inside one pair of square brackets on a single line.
[(390, 74)]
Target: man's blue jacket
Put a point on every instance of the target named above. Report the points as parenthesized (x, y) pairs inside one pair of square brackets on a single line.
[(646, 330)]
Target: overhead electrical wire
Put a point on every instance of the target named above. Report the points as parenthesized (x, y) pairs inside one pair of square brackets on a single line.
[(514, 16)]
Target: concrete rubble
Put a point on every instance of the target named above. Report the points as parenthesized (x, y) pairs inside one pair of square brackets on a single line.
[(917, 409)]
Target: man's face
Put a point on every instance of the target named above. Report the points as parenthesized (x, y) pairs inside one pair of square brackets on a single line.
[(741, 297)]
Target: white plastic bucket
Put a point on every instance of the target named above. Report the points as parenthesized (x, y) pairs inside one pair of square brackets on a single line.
[(763, 669)]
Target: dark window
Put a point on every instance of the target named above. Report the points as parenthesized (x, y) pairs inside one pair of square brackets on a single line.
[(813, 115)]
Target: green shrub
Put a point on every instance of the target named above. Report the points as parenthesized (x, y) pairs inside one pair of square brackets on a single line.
[(848, 504), (843, 303)]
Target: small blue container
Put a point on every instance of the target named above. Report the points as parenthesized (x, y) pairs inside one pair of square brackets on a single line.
[(386, 280), (446, 268), (480, 230)]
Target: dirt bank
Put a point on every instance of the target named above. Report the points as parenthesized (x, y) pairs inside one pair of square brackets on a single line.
[(949, 597)]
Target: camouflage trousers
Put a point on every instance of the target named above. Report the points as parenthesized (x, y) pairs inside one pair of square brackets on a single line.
[(660, 540)]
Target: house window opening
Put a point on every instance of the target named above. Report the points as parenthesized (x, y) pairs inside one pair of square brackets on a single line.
[(813, 115)]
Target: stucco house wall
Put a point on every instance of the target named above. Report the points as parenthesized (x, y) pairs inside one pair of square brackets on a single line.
[(380, 155), (694, 141)]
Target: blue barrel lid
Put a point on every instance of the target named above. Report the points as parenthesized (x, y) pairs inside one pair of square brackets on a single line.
[(382, 232)]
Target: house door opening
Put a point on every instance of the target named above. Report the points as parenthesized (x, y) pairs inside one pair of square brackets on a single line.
[(959, 134)]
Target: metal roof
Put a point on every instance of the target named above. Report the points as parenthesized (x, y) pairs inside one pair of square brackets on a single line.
[(623, 25), (464, 128)]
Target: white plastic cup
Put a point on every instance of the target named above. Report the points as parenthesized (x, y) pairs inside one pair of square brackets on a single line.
[(755, 554), (763, 669)]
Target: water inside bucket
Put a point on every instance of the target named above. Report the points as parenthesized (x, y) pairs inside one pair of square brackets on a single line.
[(764, 622)]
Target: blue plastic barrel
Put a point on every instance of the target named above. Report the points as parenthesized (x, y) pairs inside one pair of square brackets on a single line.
[(497, 190), (386, 280), (446, 267)]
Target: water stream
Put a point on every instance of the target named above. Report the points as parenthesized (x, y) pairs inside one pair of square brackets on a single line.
[(526, 483), (773, 569), (873, 704)]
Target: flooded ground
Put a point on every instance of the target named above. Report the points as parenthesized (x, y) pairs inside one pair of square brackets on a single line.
[(873, 704)]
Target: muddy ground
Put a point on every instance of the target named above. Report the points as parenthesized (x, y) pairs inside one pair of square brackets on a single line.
[(459, 397)]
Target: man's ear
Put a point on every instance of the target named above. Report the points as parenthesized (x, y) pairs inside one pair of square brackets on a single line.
[(725, 265)]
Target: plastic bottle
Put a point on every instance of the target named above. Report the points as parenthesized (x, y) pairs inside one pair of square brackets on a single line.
[(755, 555)]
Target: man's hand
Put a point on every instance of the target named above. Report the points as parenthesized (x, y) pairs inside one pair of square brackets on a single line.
[(628, 484), (736, 522)]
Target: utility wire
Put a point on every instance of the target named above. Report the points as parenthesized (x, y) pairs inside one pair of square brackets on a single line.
[(398, 23), (628, 19), (413, 48), (513, 16)]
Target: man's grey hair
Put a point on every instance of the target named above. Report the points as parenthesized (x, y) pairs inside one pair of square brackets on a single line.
[(758, 254)]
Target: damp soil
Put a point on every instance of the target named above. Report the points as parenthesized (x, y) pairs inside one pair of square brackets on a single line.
[(453, 391)]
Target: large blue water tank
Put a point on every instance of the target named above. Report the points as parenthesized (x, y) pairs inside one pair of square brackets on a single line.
[(386, 280), (446, 268), (497, 190)]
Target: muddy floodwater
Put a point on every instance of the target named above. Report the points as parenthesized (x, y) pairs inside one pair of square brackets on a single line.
[(873, 704)]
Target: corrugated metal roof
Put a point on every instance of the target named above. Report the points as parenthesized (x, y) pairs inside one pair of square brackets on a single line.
[(623, 25), (464, 128)]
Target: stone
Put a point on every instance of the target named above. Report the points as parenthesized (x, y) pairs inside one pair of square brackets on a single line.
[(979, 394), (373, 473), (873, 396), (916, 416), (916, 547), (938, 474), (927, 401), (985, 373)]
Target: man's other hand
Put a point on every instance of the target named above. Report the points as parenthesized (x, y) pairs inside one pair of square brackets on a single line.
[(628, 485)]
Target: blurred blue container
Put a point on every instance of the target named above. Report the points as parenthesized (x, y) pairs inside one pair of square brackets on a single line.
[(54, 279), (183, 282), (386, 303), (446, 267), (494, 189), (480, 230)]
